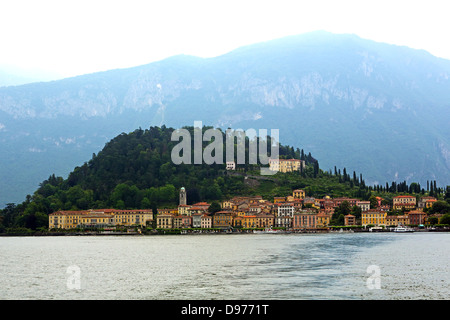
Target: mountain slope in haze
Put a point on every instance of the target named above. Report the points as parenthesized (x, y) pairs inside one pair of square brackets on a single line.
[(379, 109)]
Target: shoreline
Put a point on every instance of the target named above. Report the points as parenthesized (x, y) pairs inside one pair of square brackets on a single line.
[(216, 232)]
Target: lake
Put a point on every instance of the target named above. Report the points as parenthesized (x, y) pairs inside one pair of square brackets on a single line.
[(361, 266)]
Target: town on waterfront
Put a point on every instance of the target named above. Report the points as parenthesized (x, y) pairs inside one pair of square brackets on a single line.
[(293, 213), (294, 210)]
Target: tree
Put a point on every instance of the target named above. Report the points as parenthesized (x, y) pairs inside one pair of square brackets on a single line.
[(356, 211), (445, 219), (433, 220), (447, 194), (439, 207), (373, 202), (214, 207), (340, 212)]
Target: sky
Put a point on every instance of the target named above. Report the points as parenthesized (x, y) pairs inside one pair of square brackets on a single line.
[(67, 38)]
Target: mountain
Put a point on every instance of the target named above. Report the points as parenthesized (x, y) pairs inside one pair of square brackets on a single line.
[(378, 109)]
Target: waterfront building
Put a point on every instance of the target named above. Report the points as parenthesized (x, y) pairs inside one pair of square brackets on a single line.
[(394, 220), (164, 221), (283, 222), (323, 219), (197, 220), (265, 221), (138, 217), (249, 221), (99, 218), (206, 221), (222, 219), (417, 217), (349, 220), (238, 221), (180, 222), (64, 219), (373, 217), (305, 220)]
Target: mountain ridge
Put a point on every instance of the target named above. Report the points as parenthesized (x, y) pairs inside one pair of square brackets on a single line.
[(376, 108)]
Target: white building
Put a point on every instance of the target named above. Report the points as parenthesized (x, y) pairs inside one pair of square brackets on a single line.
[(231, 165), (364, 205), (285, 209)]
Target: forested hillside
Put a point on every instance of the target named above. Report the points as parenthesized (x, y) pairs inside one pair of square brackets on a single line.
[(135, 170)]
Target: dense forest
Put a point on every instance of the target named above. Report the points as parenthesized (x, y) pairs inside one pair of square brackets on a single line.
[(135, 170)]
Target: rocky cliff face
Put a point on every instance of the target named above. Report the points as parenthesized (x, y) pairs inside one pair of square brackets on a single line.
[(377, 109)]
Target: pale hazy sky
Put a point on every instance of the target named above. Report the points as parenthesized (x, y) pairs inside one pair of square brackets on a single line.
[(77, 37)]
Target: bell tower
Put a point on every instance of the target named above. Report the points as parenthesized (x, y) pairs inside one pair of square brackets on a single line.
[(183, 199)]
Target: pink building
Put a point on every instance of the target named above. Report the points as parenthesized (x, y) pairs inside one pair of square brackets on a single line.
[(304, 220)]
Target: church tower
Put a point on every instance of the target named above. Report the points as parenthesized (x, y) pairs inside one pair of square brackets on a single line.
[(183, 199)]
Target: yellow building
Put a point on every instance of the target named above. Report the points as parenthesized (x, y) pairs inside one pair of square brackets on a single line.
[(429, 203), (397, 220), (265, 220), (173, 211), (164, 221), (183, 209), (222, 219), (298, 194), (227, 204), (99, 218), (323, 219), (406, 202), (64, 219), (279, 199), (132, 217), (373, 217), (249, 221), (286, 165), (96, 220)]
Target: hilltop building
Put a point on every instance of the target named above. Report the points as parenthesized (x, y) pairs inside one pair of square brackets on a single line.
[(286, 165)]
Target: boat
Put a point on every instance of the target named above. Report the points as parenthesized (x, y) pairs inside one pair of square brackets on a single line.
[(268, 230), (403, 229)]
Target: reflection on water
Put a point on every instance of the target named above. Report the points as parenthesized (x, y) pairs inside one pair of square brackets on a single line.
[(295, 266)]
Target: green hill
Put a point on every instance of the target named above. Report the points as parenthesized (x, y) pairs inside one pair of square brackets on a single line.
[(135, 170)]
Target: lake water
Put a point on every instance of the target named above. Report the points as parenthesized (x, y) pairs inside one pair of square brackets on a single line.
[(221, 267)]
